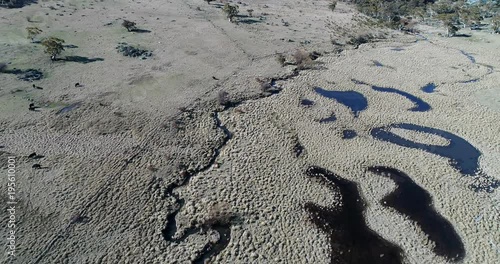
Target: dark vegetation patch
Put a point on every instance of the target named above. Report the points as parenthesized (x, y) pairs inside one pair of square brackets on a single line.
[(363, 38), (131, 51), (16, 3), (415, 202), (28, 75), (351, 240)]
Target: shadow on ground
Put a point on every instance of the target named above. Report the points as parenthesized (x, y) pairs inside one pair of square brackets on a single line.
[(80, 59), (249, 21), (138, 30)]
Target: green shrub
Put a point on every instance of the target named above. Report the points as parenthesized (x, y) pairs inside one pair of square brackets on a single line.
[(230, 11), (495, 24), (33, 32), (129, 25), (53, 46), (332, 5)]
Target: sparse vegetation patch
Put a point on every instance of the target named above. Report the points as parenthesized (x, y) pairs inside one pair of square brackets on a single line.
[(129, 25), (131, 51), (28, 75), (16, 3), (303, 60), (33, 32)]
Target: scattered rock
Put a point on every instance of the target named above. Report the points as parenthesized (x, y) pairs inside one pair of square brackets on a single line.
[(35, 156), (37, 87), (32, 107)]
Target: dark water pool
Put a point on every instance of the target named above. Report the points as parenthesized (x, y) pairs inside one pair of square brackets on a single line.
[(353, 100), (331, 118), (306, 102), (429, 88), (420, 105), (377, 63), (415, 202), (463, 156), (348, 134), (351, 240)]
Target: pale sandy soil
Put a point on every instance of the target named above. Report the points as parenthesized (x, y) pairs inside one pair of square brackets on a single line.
[(115, 159)]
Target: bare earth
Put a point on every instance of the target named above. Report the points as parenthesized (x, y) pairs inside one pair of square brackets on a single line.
[(147, 157)]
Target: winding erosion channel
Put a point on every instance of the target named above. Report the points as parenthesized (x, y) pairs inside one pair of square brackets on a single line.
[(222, 228)]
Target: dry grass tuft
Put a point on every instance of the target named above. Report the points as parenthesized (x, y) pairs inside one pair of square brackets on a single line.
[(303, 60)]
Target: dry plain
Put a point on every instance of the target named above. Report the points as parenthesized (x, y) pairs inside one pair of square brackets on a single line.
[(141, 163)]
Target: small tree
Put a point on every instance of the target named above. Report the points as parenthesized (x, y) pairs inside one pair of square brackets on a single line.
[(449, 20), (129, 25), (495, 24), (230, 11), (53, 46), (33, 32), (281, 59), (223, 98), (332, 5), (451, 29)]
